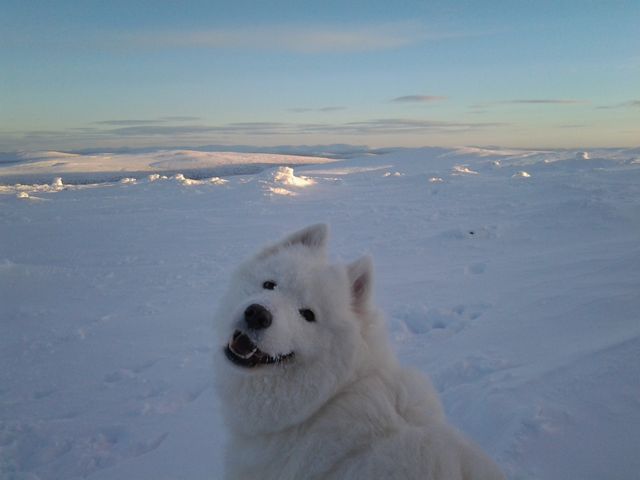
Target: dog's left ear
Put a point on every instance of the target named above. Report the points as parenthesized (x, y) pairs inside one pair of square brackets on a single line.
[(313, 237), (360, 275)]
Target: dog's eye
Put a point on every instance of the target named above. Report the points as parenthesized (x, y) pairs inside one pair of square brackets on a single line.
[(269, 285), (308, 315)]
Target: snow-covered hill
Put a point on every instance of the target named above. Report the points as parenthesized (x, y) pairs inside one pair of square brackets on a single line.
[(510, 276), (31, 167)]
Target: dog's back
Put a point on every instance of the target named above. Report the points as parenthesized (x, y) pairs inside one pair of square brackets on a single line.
[(386, 425)]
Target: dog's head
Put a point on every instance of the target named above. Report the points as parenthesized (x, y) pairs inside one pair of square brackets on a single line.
[(292, 328)]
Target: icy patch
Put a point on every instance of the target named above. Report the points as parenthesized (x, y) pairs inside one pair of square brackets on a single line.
[(462, 170)]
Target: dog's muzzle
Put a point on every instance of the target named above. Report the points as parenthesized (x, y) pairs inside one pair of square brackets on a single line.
[(243, 352)]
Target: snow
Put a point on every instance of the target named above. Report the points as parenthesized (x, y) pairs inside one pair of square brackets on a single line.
[(517, 294), (521, 174), (87, 168)]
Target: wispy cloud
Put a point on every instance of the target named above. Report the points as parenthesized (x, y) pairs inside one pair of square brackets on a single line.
[(200, 132), (481, 107), (627, 104), (374, 126), (547, 101), (154, 130), (403, 125), (321, 110), (133, 122), (419, 99), (116, 123), (301, 39), (180, 118)]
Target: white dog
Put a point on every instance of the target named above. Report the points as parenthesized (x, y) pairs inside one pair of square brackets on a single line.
[(309, 387)]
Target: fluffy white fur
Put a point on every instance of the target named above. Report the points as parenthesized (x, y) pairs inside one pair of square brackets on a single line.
[(342, 407)]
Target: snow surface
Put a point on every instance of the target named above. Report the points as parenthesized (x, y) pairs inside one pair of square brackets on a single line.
[(26, 167), (518, 294)]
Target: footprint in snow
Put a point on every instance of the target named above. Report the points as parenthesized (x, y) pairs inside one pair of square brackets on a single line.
[(128, 373), (471, 369), (475, 268), (420, 319)]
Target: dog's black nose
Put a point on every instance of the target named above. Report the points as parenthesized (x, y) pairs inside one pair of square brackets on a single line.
[(257, 317)]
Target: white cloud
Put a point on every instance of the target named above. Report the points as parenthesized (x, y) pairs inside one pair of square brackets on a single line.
[(418, 99), (481, 107), (553, 101), (321, 109)]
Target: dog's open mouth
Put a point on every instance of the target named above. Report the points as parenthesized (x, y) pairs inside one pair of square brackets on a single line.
[(243, 352)]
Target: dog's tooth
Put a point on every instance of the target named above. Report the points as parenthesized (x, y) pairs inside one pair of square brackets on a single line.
[(250, 354)]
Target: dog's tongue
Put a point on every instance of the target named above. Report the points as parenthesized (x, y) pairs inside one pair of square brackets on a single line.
[(242, 346)]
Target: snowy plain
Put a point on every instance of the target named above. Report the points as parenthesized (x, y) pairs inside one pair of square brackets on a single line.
[(511, 277)]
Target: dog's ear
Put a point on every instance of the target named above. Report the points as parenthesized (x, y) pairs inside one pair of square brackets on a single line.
[(314, 237), (360, 275)]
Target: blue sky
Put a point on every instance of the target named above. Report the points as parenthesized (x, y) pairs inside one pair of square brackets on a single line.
[(78, 74)]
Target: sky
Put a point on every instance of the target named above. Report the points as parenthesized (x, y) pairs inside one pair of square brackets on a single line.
[(513, 73)]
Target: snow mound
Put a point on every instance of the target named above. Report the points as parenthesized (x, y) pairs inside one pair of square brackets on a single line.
[(285, 176), (154, 177), (283, 181), (179, 177), (462, 170), (281, 191)]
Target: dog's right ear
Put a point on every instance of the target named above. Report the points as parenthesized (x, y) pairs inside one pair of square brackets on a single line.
[(313, 237), (360, 275)]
